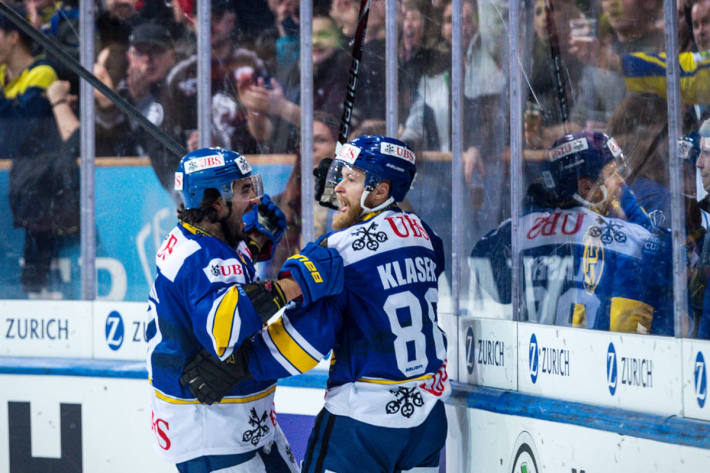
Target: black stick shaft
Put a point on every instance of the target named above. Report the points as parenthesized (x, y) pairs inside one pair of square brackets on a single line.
[(78, 69), (351, 87), (554, 40)]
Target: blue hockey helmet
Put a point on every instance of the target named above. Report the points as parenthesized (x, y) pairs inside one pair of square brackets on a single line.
[(212, 168), (381, 159), (579, 154)]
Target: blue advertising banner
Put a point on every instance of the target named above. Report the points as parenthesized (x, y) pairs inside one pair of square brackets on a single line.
[(133, 213)]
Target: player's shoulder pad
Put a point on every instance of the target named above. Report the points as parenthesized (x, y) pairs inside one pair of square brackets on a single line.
[(438, 245), (390, 230), (173, 252)]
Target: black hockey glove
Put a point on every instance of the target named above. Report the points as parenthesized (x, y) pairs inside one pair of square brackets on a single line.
[(267, 297), (210, 379)]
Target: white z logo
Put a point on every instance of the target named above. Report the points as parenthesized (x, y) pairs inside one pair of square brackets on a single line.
[(610, 364), (699, 376)]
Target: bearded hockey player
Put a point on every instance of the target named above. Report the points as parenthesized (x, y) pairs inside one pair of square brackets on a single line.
[(205, 297), (587, 248), (383, 405)]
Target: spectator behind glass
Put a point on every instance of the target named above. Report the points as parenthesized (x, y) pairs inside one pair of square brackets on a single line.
[(634, 28), (700, 18), (640, 125), (372, 66), (417, 60), (330, 74), (149, 57), (29, 136), (288, 42), (115, 21), (703, 166), (544, 94), (325, 133), (231, 126)]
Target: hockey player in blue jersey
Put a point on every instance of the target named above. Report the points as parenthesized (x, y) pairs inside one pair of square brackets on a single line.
[(588, 252), (206, 297), (383, 405)]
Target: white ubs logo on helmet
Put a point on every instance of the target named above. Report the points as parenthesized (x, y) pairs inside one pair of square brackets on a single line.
[(205, 162), (574, 146), (397, 151)]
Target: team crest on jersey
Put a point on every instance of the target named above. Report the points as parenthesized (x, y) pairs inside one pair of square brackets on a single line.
[(368, 237), (592, 263), (226, 271), (405, 401), (607, 231), (260, 427)]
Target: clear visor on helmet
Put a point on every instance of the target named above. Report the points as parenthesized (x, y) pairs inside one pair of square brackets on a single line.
[(335, 175), (246, 188)]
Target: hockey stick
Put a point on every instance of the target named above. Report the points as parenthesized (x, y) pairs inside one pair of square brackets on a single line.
[(78, 69), (554, 40), (351, 87), (322, 195)]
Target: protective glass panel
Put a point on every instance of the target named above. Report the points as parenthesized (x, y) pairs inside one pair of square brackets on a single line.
[(485, 260), (595, 250), (38, 147)]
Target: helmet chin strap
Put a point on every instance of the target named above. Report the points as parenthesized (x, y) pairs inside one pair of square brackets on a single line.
[(366, 210), (596, 206)]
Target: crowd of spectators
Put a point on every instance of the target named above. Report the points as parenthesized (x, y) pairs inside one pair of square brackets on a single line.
[(587, 65)]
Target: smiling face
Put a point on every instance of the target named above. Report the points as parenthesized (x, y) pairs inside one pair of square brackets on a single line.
[(349, 191), (244, 197)]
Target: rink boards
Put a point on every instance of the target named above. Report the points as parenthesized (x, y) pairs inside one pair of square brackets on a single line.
[(557, 399)]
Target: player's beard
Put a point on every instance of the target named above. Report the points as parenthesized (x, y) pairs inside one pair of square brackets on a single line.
[(350, 217)]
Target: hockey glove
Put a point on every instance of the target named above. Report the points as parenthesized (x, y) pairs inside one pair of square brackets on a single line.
[(210, 379), (267, 297), (318, 271), (267, 219)]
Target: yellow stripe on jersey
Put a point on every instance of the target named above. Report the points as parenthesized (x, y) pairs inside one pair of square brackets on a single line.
[(629, 316), (224, 319), (289, 348), (40, 76), (226, 400), (579, 316), (391, 381)]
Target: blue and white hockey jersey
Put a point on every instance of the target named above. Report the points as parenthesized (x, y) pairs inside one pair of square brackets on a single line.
[(388, 366), (196, 302), (579, 268)]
